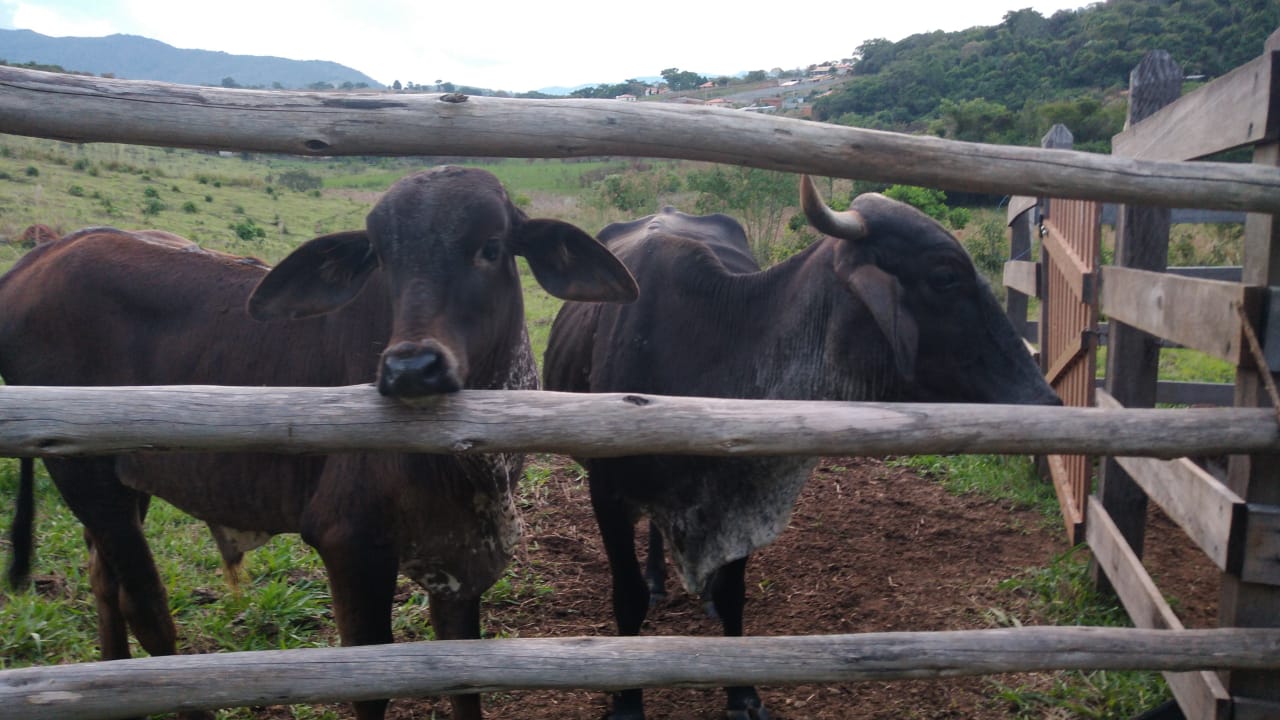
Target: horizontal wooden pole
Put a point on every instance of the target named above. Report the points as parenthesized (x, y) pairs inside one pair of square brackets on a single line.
[(142, 686), (91, 109), (64, 421)]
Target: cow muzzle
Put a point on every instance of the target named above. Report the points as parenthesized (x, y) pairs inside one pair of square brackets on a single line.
[(418, 369)]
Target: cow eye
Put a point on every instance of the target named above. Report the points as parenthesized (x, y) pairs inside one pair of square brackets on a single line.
[(491, 250), (945, 279)]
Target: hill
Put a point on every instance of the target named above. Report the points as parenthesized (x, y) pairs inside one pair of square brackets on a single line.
[(1010, 82), (139, 58)]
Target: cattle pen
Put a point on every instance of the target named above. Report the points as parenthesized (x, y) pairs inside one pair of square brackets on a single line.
[(1229, 672)]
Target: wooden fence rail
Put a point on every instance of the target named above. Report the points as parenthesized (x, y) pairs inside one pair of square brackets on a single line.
[(91, 109), (58, 421), (127, 688)]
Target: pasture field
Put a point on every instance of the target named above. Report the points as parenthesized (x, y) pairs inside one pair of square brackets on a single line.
[(265, 205)]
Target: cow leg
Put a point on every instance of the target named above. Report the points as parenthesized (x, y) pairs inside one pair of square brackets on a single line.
[(630, 594), (362, 571), (655, 567), (729, 597), (126, 585), (457, 618)]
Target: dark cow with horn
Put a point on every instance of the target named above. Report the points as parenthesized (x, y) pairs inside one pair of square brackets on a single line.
[(426, 300), (887, 307)]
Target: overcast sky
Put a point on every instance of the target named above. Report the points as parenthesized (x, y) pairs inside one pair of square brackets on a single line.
[(518, 46)]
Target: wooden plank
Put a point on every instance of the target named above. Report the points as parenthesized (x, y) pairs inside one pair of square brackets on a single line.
[(1199, 314), (1181, 216), (1197, 125), (1206, 510), (1199, 694), (1066, 357), (1262, 546), (77, 108), (1019, 204), (1247, 708), (1072, 513), (149, 685), (1023, 276), (69, 421), (1078, 275), (1194, 393)]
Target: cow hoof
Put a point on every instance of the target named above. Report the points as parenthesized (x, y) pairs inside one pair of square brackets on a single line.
[(709, 608), (755, 713)]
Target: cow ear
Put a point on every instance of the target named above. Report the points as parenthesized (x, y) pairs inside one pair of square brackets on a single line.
[(572, 265), (882, 294), (320, 276)]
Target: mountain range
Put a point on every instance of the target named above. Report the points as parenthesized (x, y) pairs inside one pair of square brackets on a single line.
[(138, 58)]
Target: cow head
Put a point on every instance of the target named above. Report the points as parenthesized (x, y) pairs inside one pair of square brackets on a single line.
[(445, 242), (950, 339)]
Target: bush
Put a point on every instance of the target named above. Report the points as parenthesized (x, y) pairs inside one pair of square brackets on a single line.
[(299, 180), (75, 191), (189, 208), (33, 171), (150, 192), (248, 230), (152, 207)]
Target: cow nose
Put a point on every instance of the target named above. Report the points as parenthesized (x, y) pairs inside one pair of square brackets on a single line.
[(414, 371)]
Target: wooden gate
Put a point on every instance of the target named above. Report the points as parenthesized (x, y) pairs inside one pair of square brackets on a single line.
[(1070, 234)]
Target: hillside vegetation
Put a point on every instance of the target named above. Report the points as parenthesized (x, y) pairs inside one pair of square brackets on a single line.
[(1011, 82)]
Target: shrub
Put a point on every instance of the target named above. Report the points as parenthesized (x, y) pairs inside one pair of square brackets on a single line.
[(152, 207), (299, 180), (75, 191), (248, 230), (189, 208), (33, 171)]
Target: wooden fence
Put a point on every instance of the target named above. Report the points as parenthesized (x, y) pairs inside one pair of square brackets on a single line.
[(1230, 313), (33, 420)]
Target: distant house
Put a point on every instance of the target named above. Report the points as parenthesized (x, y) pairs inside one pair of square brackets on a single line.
[(625, 97), (789, 83), (708, 85), (843, 69), (720, 102), (818, 70)]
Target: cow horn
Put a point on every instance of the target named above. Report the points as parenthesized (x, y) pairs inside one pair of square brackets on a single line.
[(849, 224)]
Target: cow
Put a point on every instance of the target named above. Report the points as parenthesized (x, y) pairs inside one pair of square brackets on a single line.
[(887, 306), (424, 301)]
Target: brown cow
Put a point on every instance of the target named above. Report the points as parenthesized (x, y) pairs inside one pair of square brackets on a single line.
[(426, 300)]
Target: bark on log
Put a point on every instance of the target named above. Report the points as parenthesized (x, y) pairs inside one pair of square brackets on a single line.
[(124, 688), (91, 109), (62, 421)]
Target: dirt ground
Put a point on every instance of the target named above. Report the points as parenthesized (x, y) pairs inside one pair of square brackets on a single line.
[(869, 548)]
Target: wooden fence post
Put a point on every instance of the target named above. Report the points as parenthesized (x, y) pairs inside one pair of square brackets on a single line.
[(1256, 478), (1058, 138), (1015, 303), (1133, 356)]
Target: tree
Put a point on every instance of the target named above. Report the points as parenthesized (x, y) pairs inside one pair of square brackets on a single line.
[(396, 85), (756, 76), (678, 79)]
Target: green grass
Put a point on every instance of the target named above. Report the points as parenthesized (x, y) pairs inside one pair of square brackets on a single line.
[(1061, 593)]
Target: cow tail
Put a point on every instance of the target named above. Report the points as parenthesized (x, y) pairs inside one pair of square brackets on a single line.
[(20, 533)]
